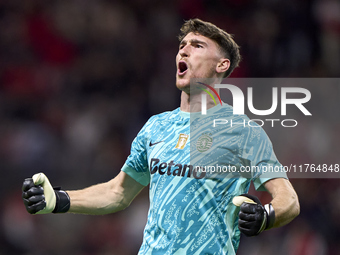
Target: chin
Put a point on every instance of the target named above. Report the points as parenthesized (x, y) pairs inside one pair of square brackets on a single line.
[(183, 84)]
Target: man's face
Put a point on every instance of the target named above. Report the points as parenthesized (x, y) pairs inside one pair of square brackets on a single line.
[(198, 57)]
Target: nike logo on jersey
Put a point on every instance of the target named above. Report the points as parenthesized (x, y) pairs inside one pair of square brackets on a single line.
[(152, 144)]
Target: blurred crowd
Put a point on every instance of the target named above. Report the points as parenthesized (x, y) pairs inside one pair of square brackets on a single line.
[(78, 79)]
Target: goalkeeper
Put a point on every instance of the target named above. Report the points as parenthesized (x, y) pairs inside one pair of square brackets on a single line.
[(189, 213)]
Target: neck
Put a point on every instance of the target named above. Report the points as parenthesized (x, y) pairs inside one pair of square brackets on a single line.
[(192, 103)]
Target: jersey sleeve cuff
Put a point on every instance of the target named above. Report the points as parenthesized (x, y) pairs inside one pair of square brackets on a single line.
[(259, 182), (141, 177)]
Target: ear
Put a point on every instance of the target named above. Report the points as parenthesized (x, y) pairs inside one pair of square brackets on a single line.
[(223, 65)]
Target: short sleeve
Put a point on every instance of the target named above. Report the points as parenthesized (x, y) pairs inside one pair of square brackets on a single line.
[(257, 150), (136, 165)]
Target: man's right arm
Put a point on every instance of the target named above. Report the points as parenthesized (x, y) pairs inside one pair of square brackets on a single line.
[(40, 197), (104, 198), (112, 196)]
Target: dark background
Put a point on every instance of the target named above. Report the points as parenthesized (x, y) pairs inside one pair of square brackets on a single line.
[(78, 79)]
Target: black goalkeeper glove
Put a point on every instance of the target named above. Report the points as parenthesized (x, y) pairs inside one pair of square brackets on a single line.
[(40, 198), (253, 217)]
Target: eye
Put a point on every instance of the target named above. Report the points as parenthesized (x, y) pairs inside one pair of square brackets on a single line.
[(198, 46), (181, 46)]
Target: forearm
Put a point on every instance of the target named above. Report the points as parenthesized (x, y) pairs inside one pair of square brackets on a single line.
[(107, 197), (285, 201), (99, 199)]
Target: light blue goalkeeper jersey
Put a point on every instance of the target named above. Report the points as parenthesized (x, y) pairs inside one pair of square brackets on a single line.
[(190, 166)]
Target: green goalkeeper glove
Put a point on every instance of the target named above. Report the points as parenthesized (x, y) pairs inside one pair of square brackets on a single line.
[(40, 198), (253, 217)]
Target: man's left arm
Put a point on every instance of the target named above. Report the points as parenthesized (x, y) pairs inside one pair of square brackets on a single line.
[(284, 200), (284, 206)]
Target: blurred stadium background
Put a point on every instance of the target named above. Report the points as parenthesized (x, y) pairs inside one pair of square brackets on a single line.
[(78, 79)]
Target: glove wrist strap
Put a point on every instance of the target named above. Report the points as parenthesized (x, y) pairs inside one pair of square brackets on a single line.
[(270, 215), (62, 201)]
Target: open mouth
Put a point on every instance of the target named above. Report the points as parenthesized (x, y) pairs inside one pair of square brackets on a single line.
[(182, 68)]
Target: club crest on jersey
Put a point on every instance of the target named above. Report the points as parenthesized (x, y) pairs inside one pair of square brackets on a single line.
[(204, 142), (182, 141)]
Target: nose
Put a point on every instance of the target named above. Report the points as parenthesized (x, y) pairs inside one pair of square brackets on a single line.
[(184, 52)]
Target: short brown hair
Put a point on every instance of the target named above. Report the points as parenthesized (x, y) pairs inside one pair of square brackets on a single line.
[(228, 46)]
